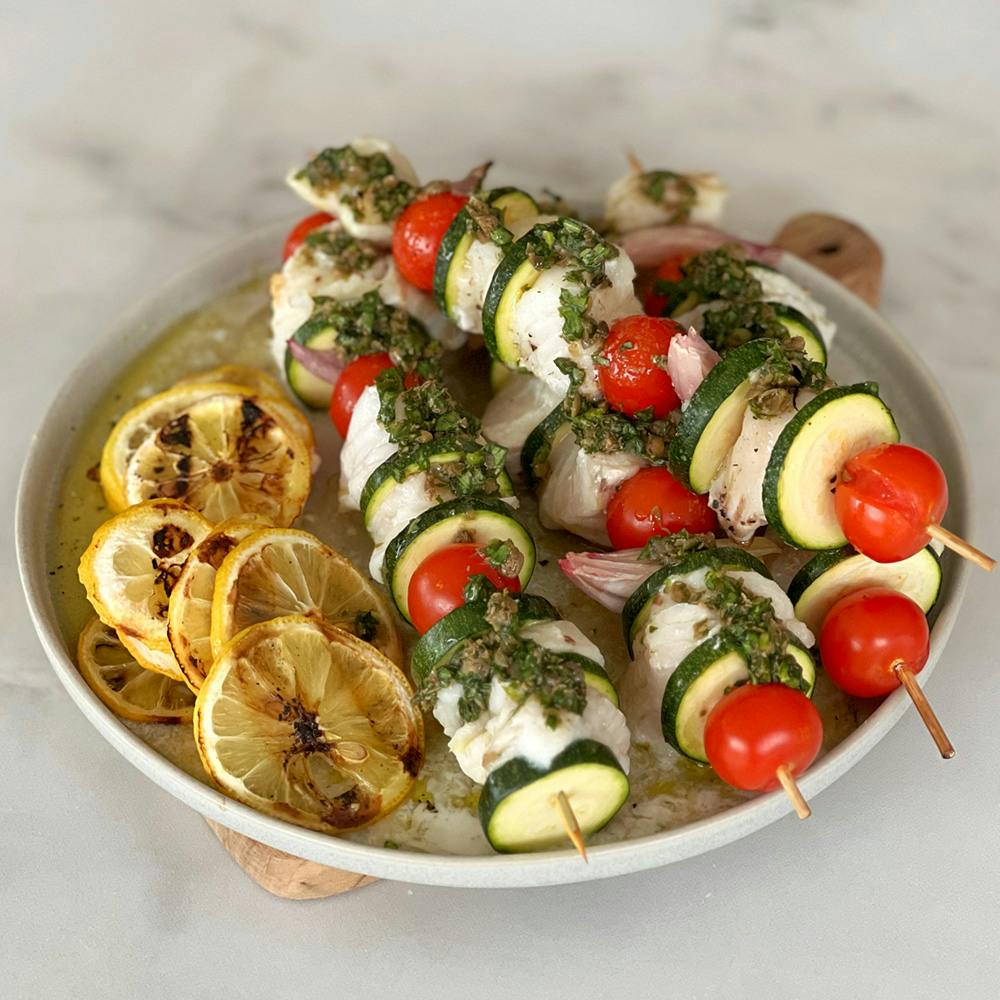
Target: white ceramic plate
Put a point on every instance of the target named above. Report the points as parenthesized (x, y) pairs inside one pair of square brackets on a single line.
[(866, 348)]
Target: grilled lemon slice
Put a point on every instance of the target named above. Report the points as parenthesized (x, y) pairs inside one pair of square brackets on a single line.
[(276, 572), (189, 616), (124, 685), (147, 417), (132, 563), (224, 455), (259, 383), (309, 724), (160, 661)]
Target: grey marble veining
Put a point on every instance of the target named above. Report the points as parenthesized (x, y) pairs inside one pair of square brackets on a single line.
[(136, 137)]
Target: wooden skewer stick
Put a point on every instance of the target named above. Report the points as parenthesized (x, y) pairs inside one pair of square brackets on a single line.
[(802, 809), (571, 826), (633, 161), (923, 706), (951, 541)]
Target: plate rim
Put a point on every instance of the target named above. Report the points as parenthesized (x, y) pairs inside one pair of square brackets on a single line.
[(34, 505)]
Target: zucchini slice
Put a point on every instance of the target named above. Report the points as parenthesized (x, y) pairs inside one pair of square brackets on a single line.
[(635, 614), (596, 676), (699, 682), (539, 443), (517, 807), (402, 465), (513, 205), (713, 418), (312, 391), (829, 576), (798, 324), (512, 278), (475, 519), (808, 456), (440, 642)]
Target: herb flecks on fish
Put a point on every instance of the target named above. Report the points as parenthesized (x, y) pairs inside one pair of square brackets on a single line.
[(367, 184), (524, 668)]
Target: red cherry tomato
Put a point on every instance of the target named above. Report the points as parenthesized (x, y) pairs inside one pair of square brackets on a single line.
[(353, 381), (757, 728), (437, 585), (302, 229), (886, 498), (865, 634), (634, 377), (418, 233), (670, 270), (652, 503)]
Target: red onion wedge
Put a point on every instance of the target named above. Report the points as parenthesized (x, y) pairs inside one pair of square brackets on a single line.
[(607, 577), (325, 365), (650, 247)]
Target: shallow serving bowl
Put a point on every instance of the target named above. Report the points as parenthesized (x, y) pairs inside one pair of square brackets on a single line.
[(866, 348)]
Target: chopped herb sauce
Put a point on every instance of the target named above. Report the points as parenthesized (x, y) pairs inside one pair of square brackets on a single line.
[(368, 185), (670, 190), (524, 668)]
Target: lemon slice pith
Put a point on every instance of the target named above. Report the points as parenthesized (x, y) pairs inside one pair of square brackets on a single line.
[(189, 615), (255, 379), (132, 562), (309, 724), (276, 572), (224, 455), (123, 685), (160, 661)]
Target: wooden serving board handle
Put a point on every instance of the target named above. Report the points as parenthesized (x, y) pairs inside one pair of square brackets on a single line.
[(840, 248), (284, 874), (837, 247)]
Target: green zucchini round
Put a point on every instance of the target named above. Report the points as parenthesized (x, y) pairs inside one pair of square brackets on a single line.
[(699, 682), (518, 808), (477, 519), (803, 469), (440, 642), (829, 576), (402, 465), (538, 446), (713, 418)]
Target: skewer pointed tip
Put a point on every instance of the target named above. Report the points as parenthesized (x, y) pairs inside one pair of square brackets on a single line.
[(571, 826), (802, 809), (633, 161), (923, 707), (960, 546)]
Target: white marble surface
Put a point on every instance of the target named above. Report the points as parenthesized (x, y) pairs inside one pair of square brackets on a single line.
[(137, 136)]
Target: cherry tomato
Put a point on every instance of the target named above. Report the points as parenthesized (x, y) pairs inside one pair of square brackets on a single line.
[(418, 234), (652, 503), (670, 270), (865, 634), (886, 498), (437, 585), (302, 229), (757, 728), (635, 377), (353, 381)]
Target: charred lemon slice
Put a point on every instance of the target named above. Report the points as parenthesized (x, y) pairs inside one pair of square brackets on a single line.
[(261, 384), (309, 724), (132, 563), (139, 423), (224, 455), (189, 615), (276, 572), (160, 661), (129, 690)]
